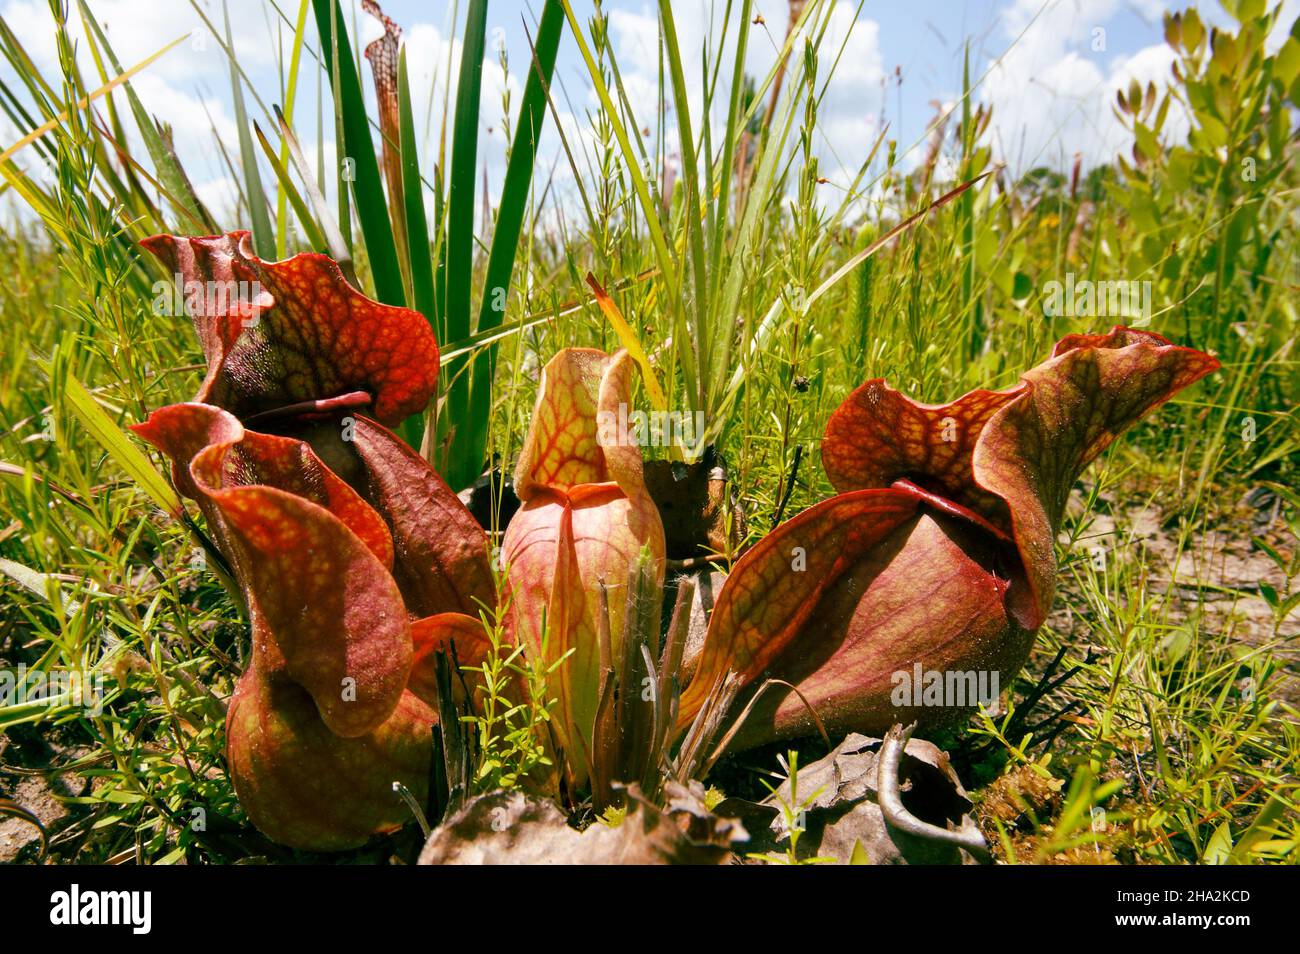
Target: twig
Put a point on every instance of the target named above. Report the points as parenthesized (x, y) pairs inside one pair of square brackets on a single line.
[(789, 485), (891, 800)]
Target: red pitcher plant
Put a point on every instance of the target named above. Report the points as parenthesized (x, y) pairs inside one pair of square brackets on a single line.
[(357, 563), (355, 560), (938, 548), (585, 519)]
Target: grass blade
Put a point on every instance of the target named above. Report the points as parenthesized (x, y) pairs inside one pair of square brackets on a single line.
[(367, 187), (505, 239), (315, 237), (115, 442), (281, 199), (167, 167), (83, 102), (418, 252), (259, 219), (460, 234), (338, 249), (667, 261), (627, 337), (691, 213), (417, 226)]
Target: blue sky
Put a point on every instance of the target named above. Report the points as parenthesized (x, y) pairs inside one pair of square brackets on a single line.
[(1047, 67)]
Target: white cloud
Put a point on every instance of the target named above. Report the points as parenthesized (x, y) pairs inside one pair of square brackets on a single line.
[(1053, 90), (849, 111), (137, 29), (847, 114), (186, 89), (219, 195)]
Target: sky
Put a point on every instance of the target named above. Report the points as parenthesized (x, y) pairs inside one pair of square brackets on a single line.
[(1047, 68)]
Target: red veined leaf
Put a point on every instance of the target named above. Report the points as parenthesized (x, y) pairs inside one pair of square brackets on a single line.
[(1032, 451), (283, 333)]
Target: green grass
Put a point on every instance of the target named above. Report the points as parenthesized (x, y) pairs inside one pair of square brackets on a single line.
[(1179, 716)]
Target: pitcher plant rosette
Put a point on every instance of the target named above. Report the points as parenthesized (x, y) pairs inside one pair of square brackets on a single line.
[(355, 560)]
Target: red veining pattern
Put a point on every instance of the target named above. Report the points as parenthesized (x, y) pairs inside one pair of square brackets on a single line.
[(438, 633), (879, 435), (308, 336), (1077, 403), (327, 708), (562, 448), (248, 458), (919, 566), (585, 519)]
